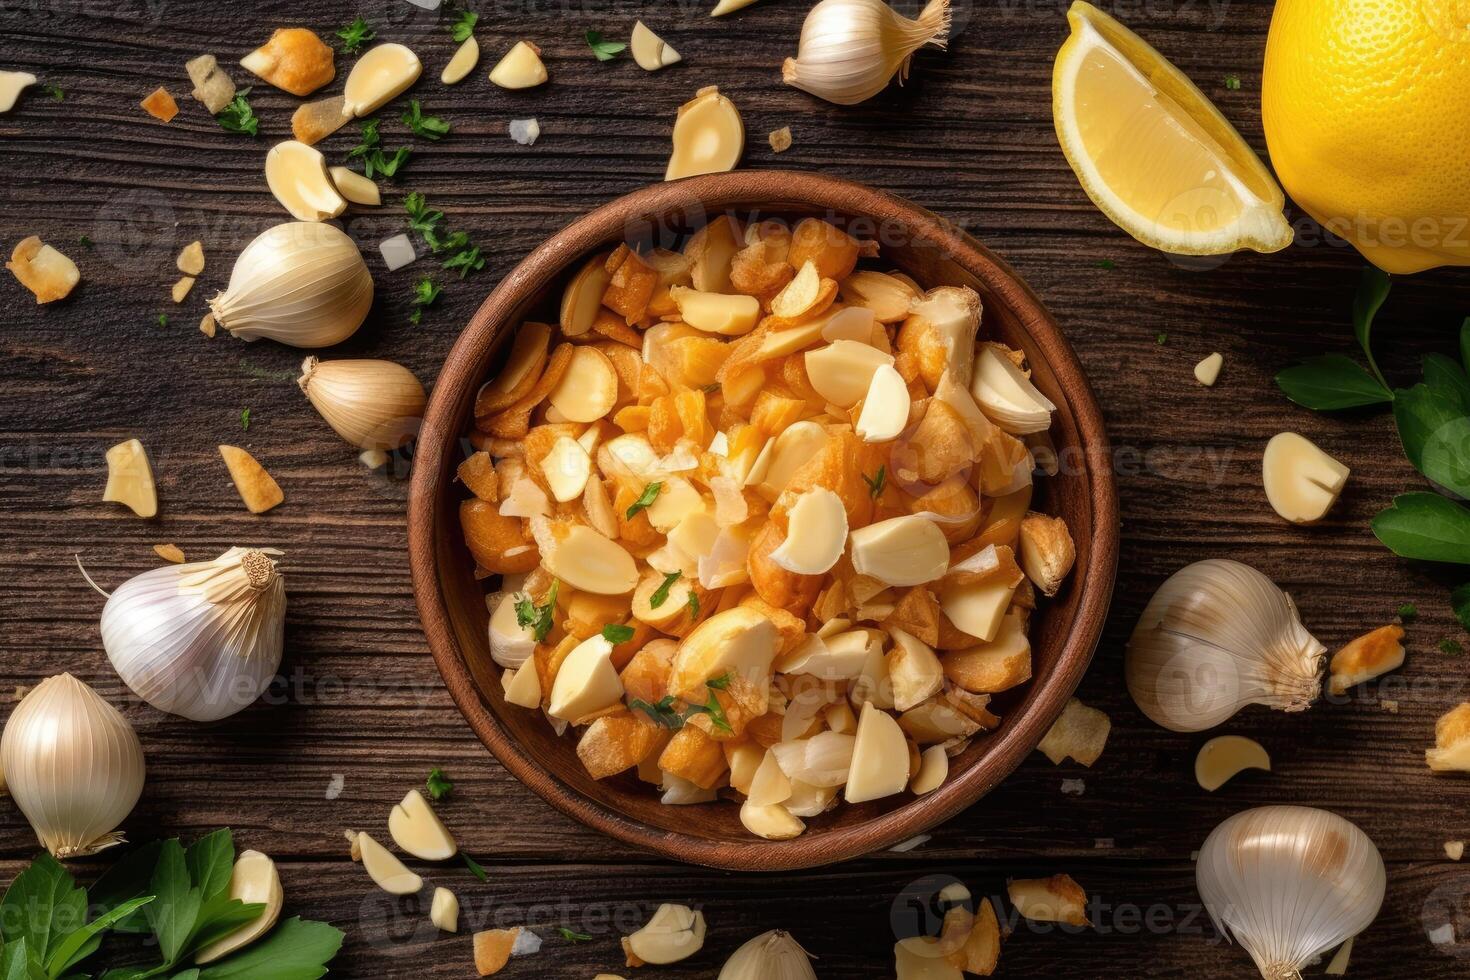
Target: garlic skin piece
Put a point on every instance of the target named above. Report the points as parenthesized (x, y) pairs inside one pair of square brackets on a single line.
[(370, 403), (850, 49), (417, 829), (387, 872), (650, 51), (201, 640), (709, 136), (1219, 635), (254, 879), (521, 67), (12, 83), (1289, 883), (297, 176), (1302, 482), (301, 283), (674, 933), (382, 74), (1222, 758), (464, 61), (773, 955), (130, 479), (73, 765)]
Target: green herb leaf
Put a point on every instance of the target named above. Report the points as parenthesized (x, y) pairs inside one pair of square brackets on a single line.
[(438, 784), (1372, 291), (693, 604), (55, 92), (474, 866), (1460, 603), (370, 149), (84, 241), (355, 34), (86, 940), (238, 117), (714, 709), (15, 961), (661, 594), (1435, 433), (1408, 612), (211, 861), (429, 127), (465, 26), (1161, 339), (173, 915), (604, 50), (245, 419), (163, 319), (645, 499), (534, 616), (721, 683), (877, 482), (613, 633), (467, 261), (571, 936), (1425, 526), (1107, 264), (1445, 376), (128, 878), (1232, 82), (1465, 343), (296, 949), (1451, 646), (425, 293), (663, 712), (42, 907), (1332, 382)]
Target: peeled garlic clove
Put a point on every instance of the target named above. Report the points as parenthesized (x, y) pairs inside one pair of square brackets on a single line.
[(464, 61), (851, 49), (587, 681), (48, 274), (301, 283), (130, 478), (566, 468), (520, 68), (315, 121), (1207, 372), (370, 403), (900, 551), (297, 176), (1302, 482), (738, 641), (1219, 635), (254, 879), (769, 785), (816, 533), (708, 136), (886, 298), (586, 560), (417, 829), (772, 822), (386, 870), (920, 958), (382, 74), (913, 669), (717, 313), (885, 408), (880, 758), (524, 687), (822, 761), (444, 912), (1330, 869), (12, 83), (355, 187), (674, 933), (581, 301), (201, 640), (784, 455), (649, 50), (773, 955), (1220, 759), (1007, 396), (724, 7), (73, 765), (589, 388), (933, 771), (843, 371)]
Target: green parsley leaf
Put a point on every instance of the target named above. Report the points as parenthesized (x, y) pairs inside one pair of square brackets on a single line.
[(163, 319), (1161, 339), (238, 116), (1451, 646), (55, 92), (465, 26), (1232, 82), (1408, 612), (537, 617), (438, 784), (84, 241), (877, 482), (1425, 526), (245, 419), (661, 594), (425, 293), (422, 218), (1460, 603), (296, 949), (1465, 343), (604, 50), (663, 712), (714, 709), (693, 605), (572, 936), (466, 261), (370, 149), (474, 867), (429, 127), (355, 34), (645, 499), (1434, 430), (613, 633), (1372, 291), (721, 683), (1331, 382), (1107, 264)]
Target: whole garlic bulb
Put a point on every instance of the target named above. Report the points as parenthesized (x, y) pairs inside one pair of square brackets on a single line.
[(303, 283), (1289, 883), (850, 49), (74, 766), (772, 955), (372, 404), (201, 640), (1217, 636)]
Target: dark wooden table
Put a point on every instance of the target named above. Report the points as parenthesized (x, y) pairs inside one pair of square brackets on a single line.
[(971, 138)]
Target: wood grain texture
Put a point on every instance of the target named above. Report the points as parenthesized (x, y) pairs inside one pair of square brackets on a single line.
[(970, 138)]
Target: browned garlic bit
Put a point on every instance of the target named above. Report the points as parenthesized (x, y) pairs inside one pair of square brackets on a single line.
[(780, 139), (751, 484), (169, 552), (1371, 655), (43, 270), (160, 105), (180, 290), (521, 67), (294, 60), (212, 87), (1080, 734), (495, 947), (313, 122), (708, 136), (257, 488), (1054, 899), (191, 259), (130, 478), (1451, 752)]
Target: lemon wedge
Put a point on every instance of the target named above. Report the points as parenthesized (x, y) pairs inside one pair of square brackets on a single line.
[(1153, 152)]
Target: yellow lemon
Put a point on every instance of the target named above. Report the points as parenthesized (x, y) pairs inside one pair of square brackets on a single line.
[(1153, 152), (1366, 105)]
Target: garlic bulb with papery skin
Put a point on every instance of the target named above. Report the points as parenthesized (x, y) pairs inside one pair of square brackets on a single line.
[(851, 49), (201, 640), (1289, 883), (302, 283), (372, 404), (73, 765), (1217, 636), (772, 955)]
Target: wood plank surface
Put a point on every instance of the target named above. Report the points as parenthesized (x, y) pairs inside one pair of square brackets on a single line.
[(971, 138)]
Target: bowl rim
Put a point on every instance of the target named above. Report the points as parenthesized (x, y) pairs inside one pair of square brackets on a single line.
[(763, 189)]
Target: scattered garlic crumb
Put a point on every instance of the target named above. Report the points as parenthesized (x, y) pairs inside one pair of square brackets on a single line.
[(1392, 707), (354, 848), (904, 847), (1193, 856), (335, 787), (780, 139), (1207, 372), (1074, 787), (169, 552), (524, 131), (1443, 935), (206, 325), (180, 292), (21, 690), (191, 259), (1454, 849), (397, 251), (373, 459)]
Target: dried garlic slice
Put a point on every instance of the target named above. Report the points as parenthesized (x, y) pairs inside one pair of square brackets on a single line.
[(43, 270), (880, 758), (257, 488)]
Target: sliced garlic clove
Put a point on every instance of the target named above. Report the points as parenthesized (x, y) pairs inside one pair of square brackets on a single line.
[(382, 74), (816, 533), (843, 371), (587, 681), (12, 83), (738, 641), (724, 7), (788, 452), (355, 187), (839, 657), (674, 933), (444, 912), (853, 323), (1055, 899), (920, 958), (772, 822), (567, 468), (527, 353), (823, 761), (1207, 372), (254, 879), (1366, 657), (885, 408), (933, 771), (695, 536), (718, 313), (779, 343), (886, 298), (589, 388), (1221, 759), (901, 551), (315, 121), (297, 176), (675, 501), (581, 301), (464, 61), (769, 785), (979, 608), (1007, 396), (524, 687), (417, 829), (1302, 482), (914, 670), (1080, 734), (520, 68), (386, 870), (130, 479), (708, 136), (649, 50), (880, 758)]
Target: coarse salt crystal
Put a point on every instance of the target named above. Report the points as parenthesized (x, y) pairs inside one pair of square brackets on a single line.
[(524, 131)]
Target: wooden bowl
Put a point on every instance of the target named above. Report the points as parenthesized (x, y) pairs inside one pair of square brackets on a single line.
[(451, 602)]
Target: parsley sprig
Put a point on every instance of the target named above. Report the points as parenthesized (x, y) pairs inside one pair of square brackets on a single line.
[(661, 594), (645, 499), (370, 150), (425, 294), (465, 26), (877, 482), (604, 50), (538, 618), (614, 633), (665, 711), (429, 127), (462, 255), (572, 936), (438, 784), (238, 116), (355, 35)]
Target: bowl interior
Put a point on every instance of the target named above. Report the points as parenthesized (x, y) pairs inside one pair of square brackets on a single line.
[(1064, 629)]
